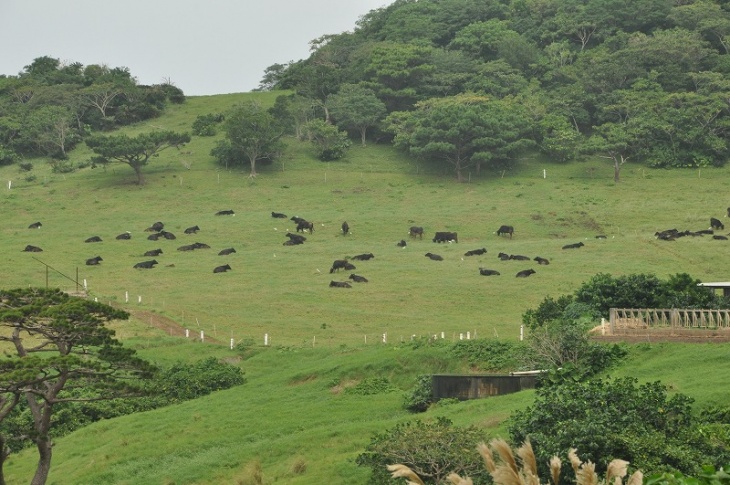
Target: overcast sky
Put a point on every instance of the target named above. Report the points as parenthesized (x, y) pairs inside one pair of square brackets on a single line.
[(203, 47)]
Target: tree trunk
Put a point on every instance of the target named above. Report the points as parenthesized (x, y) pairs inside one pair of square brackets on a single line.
[(616, 170), (362, 134), (253, 167), (44, 460), (4, 453), (138, 171)]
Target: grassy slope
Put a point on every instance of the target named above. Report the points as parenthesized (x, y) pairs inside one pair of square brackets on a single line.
[(288, 412)]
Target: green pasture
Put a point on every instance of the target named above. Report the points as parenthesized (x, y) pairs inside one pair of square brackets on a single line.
[(292, 419)]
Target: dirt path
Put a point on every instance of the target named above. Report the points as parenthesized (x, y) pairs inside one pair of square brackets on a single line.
[(167, 325)]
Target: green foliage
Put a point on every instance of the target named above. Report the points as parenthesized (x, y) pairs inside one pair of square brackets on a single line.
[(253, 132), (357, 107), (606, 419), (370, 386), (431, 449), (490, 354), (330, 143), (185, 381), (421, 396), (8, 157), (709, 475), (205, 125)]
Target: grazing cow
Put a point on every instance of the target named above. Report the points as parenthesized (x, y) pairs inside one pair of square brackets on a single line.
[(401, 243), (93, 239), (124, 236), (226, 251), (35, 225), (719, 238), (93, 261), (339, 264), (305, 225), (154, 252), (518, 257), (434, 257), (505, 230), (146, 264), (446, 237), (32, 249), (358, 278), (225, 213), (345, 228), (541, 260), (363, 257), (340, 284), (525, 273), (716, 224), (488, 272), (221, 269), (475, 252), (503, 256), (573, 246), (192, 230), (156, 227), (278, 215), (416, 231)]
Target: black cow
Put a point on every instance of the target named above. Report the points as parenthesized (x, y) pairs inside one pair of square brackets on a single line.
[(488, 272), (146, 264), (339, 264), (446, 237), (434, 257), (503, 256), (124, 236), (278, 215), (221, 269), (401, 243), (168, 235), (345, 228), (518, 257), (358, 278), (541, 260), (505, 230), (93, 239), (225, 213), (292, 242), (716, 224), (668, 235), (363, 257), (226, 251), (525, 273), (35, 225), (475, 252), (32, 249), (154, 252), (93, 261), (187, 247), (192, 230), (340, 284), (719, 238), (573, 246), (156, 227), (297, 219), (601, 236), (199, 245), (416, 231), (728, 212), (294, 239), (305, 225)]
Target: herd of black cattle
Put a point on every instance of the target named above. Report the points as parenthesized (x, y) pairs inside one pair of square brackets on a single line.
[(304, 226)]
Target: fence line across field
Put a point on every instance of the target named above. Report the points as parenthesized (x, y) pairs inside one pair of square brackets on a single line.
[(675, 318)]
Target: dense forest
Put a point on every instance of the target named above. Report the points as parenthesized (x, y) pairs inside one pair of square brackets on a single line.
[(50, 107), (475, 82)]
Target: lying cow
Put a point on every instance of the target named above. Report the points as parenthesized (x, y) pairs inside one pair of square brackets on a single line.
[(192, 230), (221, 269), (93, 239), (227, 251), (156, 227), (573, 246), (446, 237), (488, 272), (716, 224), (475, 252), (340, 284), (35, 225), (505, 230), (225, 213), (154, 252), (363, 257), (525, 273), (434, 257), (32, 249), (93, 261), (416, 231), (146, 264), (541, 260), (719, 238), (503, 256), (401, 243), (339, 264), (358, 278), (124, 236), (518, 257), (278, 215)]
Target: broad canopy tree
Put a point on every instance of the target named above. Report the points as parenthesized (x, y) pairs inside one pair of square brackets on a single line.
[(134, 151), (254, 132), (357, 107), (61, 343)]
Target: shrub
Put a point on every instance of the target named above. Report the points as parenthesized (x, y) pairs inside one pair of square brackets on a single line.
[(370, 386), (189, 381), (421, 396), (205, 125), (489, 355), (25, 166)]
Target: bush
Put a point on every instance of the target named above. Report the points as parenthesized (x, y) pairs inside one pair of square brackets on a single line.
[(205, 125), (189, 381), (370, 386), (490, 355), (330, 143), (25, 166), (421, 396)]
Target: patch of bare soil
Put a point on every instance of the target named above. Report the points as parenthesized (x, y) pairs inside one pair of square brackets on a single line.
[(167, 325)]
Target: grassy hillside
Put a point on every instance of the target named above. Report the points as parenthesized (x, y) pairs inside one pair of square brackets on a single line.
[(292, 418)]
